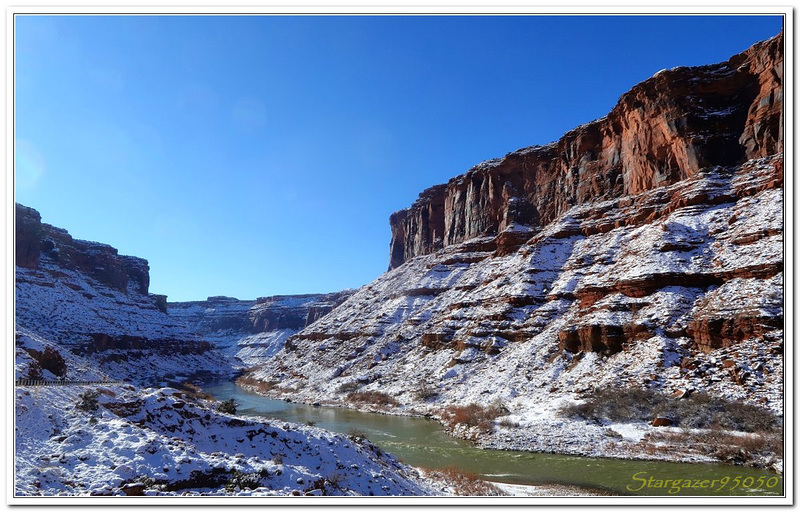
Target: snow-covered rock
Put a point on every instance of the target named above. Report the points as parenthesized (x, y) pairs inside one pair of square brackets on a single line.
[(600, 297), (164, 442), (253, 330)]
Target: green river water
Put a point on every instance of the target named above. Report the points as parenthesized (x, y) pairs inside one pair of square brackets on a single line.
[(422, 442)]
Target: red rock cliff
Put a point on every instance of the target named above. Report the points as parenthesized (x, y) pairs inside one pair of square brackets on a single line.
[(662, 131), (36, 241)]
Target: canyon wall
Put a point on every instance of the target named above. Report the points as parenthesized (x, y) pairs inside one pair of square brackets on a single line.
[(253, 330), (36, 241), (643, 250), (663, 130), (83, 310)]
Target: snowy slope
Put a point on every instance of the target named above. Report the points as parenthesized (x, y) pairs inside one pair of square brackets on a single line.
[(616, 293), (123, 334), (162, 442), (253, 330)]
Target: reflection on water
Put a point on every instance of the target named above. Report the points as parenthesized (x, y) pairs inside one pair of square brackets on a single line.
[(422, 442)]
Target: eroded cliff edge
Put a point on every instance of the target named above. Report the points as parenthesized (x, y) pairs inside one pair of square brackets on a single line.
[(664, 130), (670, 286)]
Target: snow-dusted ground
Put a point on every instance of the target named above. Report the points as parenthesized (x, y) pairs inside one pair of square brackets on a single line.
[(161, 442), (156, 441), (464, 325), (74, 314), (252, 331)]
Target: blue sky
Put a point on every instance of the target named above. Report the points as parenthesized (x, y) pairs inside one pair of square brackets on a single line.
[(252, 156)]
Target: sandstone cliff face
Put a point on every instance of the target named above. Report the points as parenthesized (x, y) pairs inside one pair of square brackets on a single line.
[(642, 250), (82, 301), (253, 330), (36, 241), (662, 131), (611, 293)]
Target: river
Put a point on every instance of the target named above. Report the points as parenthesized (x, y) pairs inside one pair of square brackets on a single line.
[(421, 442)]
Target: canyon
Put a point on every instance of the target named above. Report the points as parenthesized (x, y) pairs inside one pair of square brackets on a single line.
[(108, 421), (254, 330), (641, 251)]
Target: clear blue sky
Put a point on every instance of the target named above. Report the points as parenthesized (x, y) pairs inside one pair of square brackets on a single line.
[(252, 156)]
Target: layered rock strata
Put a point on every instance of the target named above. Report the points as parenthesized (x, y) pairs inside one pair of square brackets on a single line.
[(657, 262), (664, 130), (80, 298), (37, 242), (253, 330)]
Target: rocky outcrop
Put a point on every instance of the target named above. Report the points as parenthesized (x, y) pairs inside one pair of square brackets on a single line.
[(36, 241), (664, 130), (82, 301), (253, 330), (647, 238), (613, 292)]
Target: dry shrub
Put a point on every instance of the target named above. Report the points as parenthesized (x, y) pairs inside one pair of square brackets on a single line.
[(472, 415), (696, 411), (356, 435), (196, 392), (348, 386), (372, 397), (508, 423), (260, 386), (426, 392), (464, 483), (727, 447)]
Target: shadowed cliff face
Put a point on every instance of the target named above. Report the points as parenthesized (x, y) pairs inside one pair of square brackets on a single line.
[(662, 131), (36, 241), (83, 310)]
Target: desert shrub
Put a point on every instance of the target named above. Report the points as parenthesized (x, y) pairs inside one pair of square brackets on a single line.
[(371, 397), (87, 401), (473, 415), (426, 392), (260, 386), (464, 483), (695, 411), (348, 386), (334, 479), (356, 435), (725, 446), (239, 480), (228, 406), (508, 423), (196, 392)]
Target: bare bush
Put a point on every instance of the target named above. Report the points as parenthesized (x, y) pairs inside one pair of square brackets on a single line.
[(426, 392), (464, 483), (372, 397), (348, 386), (696, 411), (725, 446), (195, 392), (356, 435), (472, 415)]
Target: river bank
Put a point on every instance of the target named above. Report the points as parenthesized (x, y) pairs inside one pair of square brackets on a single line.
[(400, 435), (545, 428)]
